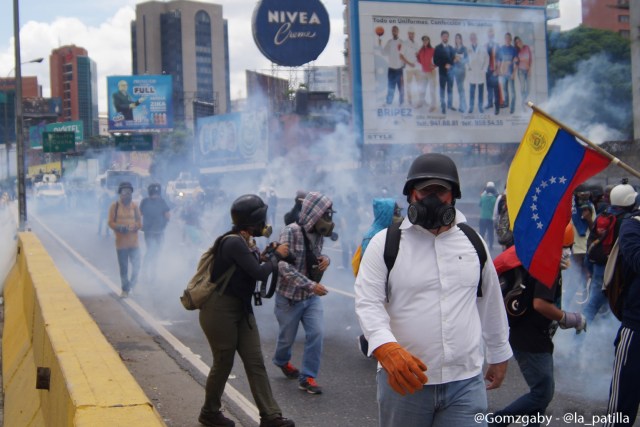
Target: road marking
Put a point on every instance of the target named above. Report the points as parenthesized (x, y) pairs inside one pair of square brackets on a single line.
[(194, 359)]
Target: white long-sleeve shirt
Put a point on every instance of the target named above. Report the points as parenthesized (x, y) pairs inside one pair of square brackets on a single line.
[(433, 311)]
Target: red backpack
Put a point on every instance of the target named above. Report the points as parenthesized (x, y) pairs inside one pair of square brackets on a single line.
[(601, 238)]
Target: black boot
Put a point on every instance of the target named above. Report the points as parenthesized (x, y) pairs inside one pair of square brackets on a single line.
[(214, 419), (278, 421)]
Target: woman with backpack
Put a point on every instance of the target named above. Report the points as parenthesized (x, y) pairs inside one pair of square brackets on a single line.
[(227, 317)]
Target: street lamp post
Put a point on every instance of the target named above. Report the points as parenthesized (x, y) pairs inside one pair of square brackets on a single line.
[(20, 154), (7, 143)]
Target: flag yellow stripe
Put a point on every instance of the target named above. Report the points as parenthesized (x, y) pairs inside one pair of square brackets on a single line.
[(533, 148)]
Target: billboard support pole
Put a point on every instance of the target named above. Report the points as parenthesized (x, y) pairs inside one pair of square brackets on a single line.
[(20, 164)]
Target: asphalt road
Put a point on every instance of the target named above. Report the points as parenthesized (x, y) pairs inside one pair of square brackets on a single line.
[(583, 363)]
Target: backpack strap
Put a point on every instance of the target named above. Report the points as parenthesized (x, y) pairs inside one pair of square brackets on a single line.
[(476, 241), (391, 248)]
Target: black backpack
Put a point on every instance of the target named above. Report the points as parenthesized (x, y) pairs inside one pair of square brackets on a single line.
[(392, 246), (517, 293)]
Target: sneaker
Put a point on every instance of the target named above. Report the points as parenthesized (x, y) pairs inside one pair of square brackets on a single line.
[(310, 386), (214, 419), (278, 421), (290, 371), (124, 294)]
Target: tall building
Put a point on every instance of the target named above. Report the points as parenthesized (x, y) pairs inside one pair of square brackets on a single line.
[(334, 79), (607, 15), (189, 41), (74, 79), (30, 89)]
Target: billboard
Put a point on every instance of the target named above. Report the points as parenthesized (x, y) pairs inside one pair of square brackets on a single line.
[(140, 103), (231, 142), (36, 132), (446, 73)]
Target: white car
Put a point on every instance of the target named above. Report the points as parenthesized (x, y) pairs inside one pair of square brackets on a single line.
[(50, 195), (181, 190)]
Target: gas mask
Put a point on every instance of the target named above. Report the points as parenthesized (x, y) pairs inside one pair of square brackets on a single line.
[(262, 230), (324, 226), (126, 196), (430, 213)]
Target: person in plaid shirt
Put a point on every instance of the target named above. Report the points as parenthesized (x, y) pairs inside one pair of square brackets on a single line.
[(299, 288)]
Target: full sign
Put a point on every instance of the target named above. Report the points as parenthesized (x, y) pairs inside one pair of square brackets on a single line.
[(291, 32), (58, 142)]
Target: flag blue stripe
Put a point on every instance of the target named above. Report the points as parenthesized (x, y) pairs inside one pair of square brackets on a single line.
[(550, 183)]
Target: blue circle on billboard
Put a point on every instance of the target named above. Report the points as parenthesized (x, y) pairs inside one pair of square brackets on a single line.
[(291, 32)]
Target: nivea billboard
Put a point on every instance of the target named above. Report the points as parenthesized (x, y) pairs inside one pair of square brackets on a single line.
[(291, 32)]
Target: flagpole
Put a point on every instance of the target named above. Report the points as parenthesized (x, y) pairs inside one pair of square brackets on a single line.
[(616, 161)]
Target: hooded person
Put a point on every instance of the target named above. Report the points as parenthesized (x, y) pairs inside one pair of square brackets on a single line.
[(299, 288)]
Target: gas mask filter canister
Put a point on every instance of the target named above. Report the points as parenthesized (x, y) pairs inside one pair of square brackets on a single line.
[(431, 213)]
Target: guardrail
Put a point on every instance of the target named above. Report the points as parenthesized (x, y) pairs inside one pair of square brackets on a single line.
[(58, 369)]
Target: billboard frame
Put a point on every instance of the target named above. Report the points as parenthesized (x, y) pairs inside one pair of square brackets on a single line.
[(360, 98)]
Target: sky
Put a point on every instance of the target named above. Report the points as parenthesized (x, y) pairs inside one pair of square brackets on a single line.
[(102, 27)]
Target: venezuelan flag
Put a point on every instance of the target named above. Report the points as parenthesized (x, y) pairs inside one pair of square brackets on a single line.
[(549, 164)]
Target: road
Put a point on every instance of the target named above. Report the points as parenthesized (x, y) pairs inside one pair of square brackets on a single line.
[(583, 363)]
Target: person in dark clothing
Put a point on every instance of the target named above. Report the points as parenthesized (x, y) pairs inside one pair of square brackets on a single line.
[(443, 59), (227, 318), (155, 216), (533, 319), (624, 394), (292, 216)]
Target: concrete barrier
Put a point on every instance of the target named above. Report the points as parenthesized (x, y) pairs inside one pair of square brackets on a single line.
[(58, 369)]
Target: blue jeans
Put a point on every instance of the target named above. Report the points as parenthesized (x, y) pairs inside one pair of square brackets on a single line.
[(153, 242), (537, 370), (289, 315), (596, 297), (440, 405), (509, 88), (395, 78), (124, 256), (523, 77)]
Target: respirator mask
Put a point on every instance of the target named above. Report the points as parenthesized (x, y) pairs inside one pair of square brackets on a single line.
[(262, 230), (431, 213), (324, 226)]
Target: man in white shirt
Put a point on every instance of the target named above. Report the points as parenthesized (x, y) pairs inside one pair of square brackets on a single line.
[(408, 55), (433, 317), (394, 74)]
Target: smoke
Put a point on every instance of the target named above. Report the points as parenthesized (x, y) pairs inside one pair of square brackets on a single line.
[(579, 99)]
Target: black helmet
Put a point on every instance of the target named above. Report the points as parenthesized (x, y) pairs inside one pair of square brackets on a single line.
[(433, 165), (153, 188), (248, 210), (123, 185)]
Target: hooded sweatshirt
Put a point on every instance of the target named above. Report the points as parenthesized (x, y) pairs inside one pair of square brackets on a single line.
[(382, 218), (293, 282)]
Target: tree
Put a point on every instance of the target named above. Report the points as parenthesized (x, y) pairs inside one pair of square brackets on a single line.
[(567, 49), (590, 81)]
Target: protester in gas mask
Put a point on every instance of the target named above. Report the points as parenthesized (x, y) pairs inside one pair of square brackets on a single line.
[(438, 308), (299, 289), (227, 318), (125, 220)]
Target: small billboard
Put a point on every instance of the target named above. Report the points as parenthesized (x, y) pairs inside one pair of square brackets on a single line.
[(140, 103), (228, 142), (36, 132), (428, 73)]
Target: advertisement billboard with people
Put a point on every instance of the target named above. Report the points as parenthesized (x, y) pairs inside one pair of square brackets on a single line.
[(140, 103), (446, 73)]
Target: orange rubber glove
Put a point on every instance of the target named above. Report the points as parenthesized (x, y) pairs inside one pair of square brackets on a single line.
[(405, 371)]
